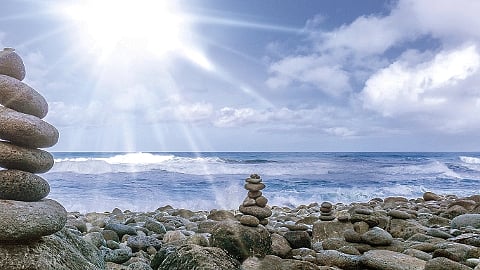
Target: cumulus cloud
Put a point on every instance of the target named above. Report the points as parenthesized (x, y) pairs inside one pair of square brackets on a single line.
[(403, 88), (382, 66)]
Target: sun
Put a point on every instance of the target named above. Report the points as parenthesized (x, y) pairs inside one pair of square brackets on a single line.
[(107, 26)]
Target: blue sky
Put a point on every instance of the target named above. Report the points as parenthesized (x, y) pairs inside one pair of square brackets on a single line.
[(224, 75)]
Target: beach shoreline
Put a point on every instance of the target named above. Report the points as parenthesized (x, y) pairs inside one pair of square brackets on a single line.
[(422, 233)]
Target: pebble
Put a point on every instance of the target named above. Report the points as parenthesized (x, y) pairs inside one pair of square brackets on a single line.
[(254, 187)]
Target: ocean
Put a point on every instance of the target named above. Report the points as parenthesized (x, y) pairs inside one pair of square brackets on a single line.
[(144, 181)]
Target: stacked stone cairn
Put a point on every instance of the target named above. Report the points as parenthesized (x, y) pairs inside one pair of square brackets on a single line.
[(326, 212), (25, 214), (254, 208)]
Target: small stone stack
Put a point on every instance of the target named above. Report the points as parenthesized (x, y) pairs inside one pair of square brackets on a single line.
[(326, 212), (25, 214), (254, 207)]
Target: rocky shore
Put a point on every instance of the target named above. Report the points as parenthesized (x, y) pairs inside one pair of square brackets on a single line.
[(433, 232)]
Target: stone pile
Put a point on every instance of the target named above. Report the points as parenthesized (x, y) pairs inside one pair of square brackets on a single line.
[(25, 214), (326, 212), (254, 207)]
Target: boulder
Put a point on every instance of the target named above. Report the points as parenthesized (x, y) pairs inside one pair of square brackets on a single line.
[(331, 229), (466, 220), (377, 237), (257, 211), (63, 250), (390, 260), (280, 246), (192, 256), (298, 239), (22, 186), (405, 228), (220, 215), (271, 262), (26, 130), (241, 241), (20, 97), (141, 242), (120, 229), (338, 259), (25, 159), (441, 263), (11, 64), (119, 256), (430, 196), (28, 221)]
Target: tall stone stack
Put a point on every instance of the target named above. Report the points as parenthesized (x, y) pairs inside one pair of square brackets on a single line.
[(254, 207), (25, 214)]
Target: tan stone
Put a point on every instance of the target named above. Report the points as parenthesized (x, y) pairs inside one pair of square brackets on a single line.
[(11, 64), (26, 130), (20, 97)]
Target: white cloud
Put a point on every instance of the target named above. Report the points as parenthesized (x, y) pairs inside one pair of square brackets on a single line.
[(416, 68), (402, 88), (314, 70)]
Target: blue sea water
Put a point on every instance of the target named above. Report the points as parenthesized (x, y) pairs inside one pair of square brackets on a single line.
[(144, 181)]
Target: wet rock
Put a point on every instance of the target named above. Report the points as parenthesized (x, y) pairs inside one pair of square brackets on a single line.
[(140, 242)]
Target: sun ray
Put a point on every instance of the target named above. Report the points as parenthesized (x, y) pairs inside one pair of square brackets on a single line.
[(245, 24)]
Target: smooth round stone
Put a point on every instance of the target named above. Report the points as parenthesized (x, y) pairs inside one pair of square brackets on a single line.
[(326, 205), (26, 130), (248, 202), (326, 218), (254, 194), (264, 221), (20, 97), (325, 209), (22, 186), (253, 180), (249, 220), (11, 64), (259, 212), (254, 187), (261, 201), (29, 221), (399, 214), (25, 159)]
